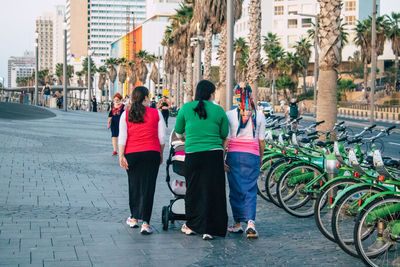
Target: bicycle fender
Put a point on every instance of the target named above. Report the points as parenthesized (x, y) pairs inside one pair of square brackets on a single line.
[(337, 178), (341, 194), (369, 200)]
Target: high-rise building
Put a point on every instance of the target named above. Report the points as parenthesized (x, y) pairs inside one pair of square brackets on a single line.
[(58, 35), (291, 27), (95, 24), (44, 27), (20, 67)]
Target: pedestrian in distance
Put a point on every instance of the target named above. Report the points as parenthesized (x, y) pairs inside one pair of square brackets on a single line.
[(46, 91), (59, 99), (117, 108), (293, 112), (245, 146), (141, 146), (153, 103), (94, 104), (164, 106), (283, 103), (206, 127)]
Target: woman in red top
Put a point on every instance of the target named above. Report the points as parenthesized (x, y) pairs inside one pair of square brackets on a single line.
[(141, 146)]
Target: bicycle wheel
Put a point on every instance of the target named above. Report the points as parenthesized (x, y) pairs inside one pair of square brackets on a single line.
[(382, 218), (263, 175), (345, 213), (322, 211), (290, 189), (272, 178)]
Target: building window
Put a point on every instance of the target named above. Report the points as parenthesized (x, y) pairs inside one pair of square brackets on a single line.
[(292, 10), (350, 6), (278, 0), (306, 23), (292, 23), (350, 20), (279, 10)]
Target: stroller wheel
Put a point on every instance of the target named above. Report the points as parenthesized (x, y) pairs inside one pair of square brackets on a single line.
[(165, 217)]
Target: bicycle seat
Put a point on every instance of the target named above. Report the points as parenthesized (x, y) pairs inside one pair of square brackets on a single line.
[(324, 144), (391, 163), (305, 140), (313, 133), (369, 159)]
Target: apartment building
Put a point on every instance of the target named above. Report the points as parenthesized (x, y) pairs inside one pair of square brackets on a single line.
[(20, 67), (44, 28), (95, 24)]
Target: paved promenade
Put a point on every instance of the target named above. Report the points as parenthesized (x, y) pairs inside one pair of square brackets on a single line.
[(64, 201)]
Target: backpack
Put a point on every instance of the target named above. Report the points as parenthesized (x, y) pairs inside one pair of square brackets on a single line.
[(294, 111)]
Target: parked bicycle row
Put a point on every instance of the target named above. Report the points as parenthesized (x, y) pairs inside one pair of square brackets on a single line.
[(347, 185)]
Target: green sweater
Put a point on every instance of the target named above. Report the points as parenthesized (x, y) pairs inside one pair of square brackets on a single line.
[(202, 135)]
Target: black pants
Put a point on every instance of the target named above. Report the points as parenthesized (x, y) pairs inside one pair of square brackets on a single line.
[(165, 113), (205, 200), (142, 176)]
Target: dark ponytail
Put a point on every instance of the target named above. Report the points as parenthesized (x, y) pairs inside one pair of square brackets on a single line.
[(137, 110), (204, 90)]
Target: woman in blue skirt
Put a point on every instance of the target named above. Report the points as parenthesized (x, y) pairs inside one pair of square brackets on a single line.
[(245, 148)]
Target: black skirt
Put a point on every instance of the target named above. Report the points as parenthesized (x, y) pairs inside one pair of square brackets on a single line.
[(205, 198)]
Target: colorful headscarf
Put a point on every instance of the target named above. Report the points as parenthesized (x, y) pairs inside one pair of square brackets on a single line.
[(245, 103)]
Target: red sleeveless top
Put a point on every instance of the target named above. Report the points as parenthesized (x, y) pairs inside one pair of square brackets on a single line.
[(143, 136)]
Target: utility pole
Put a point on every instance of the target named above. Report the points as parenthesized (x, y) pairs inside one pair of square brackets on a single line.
[(158, 70), (36, 68), (229, 53), (89, 81), (373, 64), (65, 69)]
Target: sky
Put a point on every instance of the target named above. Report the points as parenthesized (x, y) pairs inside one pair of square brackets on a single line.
[(17, 25)]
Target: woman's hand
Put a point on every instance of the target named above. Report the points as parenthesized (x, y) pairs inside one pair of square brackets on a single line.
[(123, 162), (161, 158), (108, 126), (226, 167)]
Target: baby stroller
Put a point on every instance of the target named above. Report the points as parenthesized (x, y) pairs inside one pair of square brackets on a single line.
[(176, 208)]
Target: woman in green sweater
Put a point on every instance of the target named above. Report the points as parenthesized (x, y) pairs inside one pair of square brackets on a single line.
[(206, 126)]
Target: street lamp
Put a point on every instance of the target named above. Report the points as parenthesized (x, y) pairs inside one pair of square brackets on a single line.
[(373, 64), (316, 57), (65, 68), (36, 67), (230, 23), (90, 53)]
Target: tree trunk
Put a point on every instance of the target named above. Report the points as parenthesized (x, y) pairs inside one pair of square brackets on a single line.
[(182, 94), (304, 81), (174, 87), (396, 69), (207, 52), (273, 90), (327, 98), (221, 94), (189, 86), (365, 71), (330, 57), (254, 46)]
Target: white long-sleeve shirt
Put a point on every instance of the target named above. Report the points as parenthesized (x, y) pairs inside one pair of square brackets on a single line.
[(246, 132), (123, 129)]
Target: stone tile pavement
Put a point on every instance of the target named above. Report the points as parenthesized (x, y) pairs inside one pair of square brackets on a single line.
[(64, 201)]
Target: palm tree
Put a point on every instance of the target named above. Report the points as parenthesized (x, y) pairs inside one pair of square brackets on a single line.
[(361, 40), (275, 54), (393, 34), (102, 77), (132, 72), (141, 65), (122, 72), (112, 72), (303, 50), (79, 74), (59, 73), (330, 57), (92, 69), (255, 46), (241, 58)]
